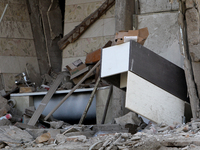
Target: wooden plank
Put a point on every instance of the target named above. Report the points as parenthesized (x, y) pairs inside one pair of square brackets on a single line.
[(89, 102), (85, 24), (157, 70), (152, 102), (79, 73), (74, 88), (46, 99)]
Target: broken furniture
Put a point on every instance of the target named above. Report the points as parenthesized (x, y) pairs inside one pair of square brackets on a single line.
[(156, 88)]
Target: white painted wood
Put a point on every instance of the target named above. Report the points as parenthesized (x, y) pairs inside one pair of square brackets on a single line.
[(152, 102), (115, 59)]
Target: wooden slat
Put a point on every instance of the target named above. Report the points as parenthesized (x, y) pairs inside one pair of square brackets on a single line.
[(74, 88), (89, 102), (46, 99), (77, 32)]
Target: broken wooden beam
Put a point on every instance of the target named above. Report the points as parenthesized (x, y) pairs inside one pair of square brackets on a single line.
[(85, 24), (107, 104), (90, 101), (46, 99), (74, 88)]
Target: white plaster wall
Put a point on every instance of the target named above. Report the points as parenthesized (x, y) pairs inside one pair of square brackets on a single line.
[(161, 18), (16, 42), (163, 36), (95, 37)]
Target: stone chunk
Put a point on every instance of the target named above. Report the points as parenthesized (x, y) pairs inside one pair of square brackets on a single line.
[(5, 122), (53, 133), (80, 138), (43, 138), (60, 138), (130, 118), (12, 135), (4, 107), (56, 124)]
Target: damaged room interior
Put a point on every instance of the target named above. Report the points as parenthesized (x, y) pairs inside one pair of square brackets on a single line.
[(100, 74)]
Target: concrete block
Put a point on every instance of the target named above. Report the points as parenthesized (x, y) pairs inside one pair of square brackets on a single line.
[(12, 29), (15, 12), (147, 6), (116, 106), (163, 36), (17, 47), (23, 102)]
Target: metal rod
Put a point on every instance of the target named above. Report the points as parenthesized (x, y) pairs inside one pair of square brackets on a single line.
[(3, 12), (107, 103), (89, 102), (75, 87)]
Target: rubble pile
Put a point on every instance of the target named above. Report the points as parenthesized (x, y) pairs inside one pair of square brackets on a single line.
[(153, 137)]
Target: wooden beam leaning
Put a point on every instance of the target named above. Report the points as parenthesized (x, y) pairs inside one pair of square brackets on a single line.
[(46, 99), (74, 88), (107, 104), (85, 24), (89, 102)]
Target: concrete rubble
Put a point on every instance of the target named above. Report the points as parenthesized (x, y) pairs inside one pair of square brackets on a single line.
[(169, 28), (153, 137)]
